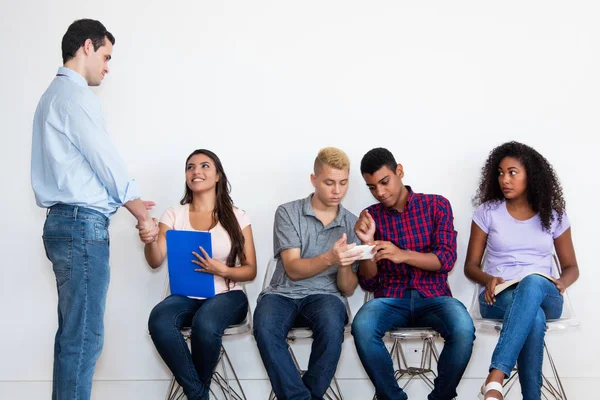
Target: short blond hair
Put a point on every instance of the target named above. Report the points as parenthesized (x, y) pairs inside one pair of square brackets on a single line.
[(332, 157)]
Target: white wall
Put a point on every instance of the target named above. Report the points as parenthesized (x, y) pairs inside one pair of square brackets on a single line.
[(265, 84)]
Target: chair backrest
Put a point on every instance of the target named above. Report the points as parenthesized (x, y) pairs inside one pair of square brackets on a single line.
[(271, 266), (566, 320)]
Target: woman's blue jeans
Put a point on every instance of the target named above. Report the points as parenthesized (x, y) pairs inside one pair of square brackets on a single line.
[(524, 310), (208, 319)]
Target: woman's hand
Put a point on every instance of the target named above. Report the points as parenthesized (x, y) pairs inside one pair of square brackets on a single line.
[(489, 296), (209, 265), (560, 285)]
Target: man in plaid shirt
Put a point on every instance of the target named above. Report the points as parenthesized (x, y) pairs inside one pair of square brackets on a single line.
[(415, 248)]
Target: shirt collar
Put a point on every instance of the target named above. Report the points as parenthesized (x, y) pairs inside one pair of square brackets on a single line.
[(72, 75), (411, 196), (308, 210)]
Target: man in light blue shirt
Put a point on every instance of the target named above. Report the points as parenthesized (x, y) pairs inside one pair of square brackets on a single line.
[(77, 174)]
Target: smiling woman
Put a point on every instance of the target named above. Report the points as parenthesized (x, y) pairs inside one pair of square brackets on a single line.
[(206, 206)]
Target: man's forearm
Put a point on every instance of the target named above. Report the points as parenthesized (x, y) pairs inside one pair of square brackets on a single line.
[(425, 261), (367, 268), (138, 210), (304, 268), (346, 280)]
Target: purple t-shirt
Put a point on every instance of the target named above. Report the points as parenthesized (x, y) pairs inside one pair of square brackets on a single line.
[(516, 248)]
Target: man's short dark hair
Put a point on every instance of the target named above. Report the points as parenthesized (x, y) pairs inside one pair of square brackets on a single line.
[(80, 31), (377, 158)]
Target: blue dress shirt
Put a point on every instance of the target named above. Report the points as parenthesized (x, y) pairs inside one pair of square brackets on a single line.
[(72, 158)]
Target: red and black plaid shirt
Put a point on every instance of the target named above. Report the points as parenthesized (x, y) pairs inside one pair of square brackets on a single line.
[(426, 225)]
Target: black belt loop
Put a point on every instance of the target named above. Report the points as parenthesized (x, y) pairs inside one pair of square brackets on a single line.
[(47, 211)]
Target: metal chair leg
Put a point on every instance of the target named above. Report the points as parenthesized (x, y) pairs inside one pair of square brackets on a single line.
[(558, 393), (175, 391), (425, 368)]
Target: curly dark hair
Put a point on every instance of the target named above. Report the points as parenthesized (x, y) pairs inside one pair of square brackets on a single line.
[(544, 191)]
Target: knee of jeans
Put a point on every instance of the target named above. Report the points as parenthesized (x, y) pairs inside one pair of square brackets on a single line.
[(532, 282), (333, 331), (264, 331), (156, 321), (539, 324), (363, 328), (462, 331), (206, 329)]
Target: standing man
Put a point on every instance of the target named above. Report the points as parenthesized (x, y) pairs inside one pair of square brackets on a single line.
[(77, 174), (415, 249)]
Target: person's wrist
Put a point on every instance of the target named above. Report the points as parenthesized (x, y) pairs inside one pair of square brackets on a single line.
[(329, 258)]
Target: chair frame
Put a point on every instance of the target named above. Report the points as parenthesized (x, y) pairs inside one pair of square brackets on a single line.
[(429, 352), (566, 321)]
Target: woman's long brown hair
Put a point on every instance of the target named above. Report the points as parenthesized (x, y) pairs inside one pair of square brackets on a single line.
[(223, 212)]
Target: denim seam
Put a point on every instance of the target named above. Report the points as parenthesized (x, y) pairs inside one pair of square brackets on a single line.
[(506, 326), (229, 322), (185, 348), (85, 320), (313, 322), (501, 367)]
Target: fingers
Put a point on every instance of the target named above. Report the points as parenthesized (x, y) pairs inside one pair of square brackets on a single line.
[(342, 240), (381, 255), (379, 245), (351, 259), (148, 204), (204, 253), (198, 256), (488, 297), (371, 220)]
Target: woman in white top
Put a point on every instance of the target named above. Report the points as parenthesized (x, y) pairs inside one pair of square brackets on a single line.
[(520, 219), (206, 206)]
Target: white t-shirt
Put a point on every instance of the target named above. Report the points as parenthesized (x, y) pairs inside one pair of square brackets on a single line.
[(178, 218)]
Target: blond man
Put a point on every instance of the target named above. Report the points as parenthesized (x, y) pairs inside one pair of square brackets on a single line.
[(316, 266)]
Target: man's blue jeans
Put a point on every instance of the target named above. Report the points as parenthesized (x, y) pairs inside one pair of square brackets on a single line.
[(275, 315), (76, 242), (445, 314), (524, 309), (208, 319)]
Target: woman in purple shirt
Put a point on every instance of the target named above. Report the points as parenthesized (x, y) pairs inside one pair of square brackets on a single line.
[(520, 219)]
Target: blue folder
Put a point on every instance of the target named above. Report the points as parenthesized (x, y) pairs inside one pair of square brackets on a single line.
[(182, 277)]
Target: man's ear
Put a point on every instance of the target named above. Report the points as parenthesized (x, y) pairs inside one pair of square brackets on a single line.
[(88, 47), (313, 180), (400, 171)]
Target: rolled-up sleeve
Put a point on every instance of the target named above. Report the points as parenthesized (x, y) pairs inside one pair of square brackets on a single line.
[(368, 285), (285, 234), (444, 246), (87, 131)]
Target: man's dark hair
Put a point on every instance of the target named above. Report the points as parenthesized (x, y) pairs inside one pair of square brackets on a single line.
[(80, 31), (377, 158)]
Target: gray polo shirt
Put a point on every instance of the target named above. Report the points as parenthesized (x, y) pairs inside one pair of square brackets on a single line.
[(297, 227)]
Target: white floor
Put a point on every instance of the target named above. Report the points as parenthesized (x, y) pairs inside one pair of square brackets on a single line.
[(353, 389)]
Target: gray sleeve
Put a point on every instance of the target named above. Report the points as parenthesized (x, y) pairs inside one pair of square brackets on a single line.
[(352, 238), (285, 233)]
